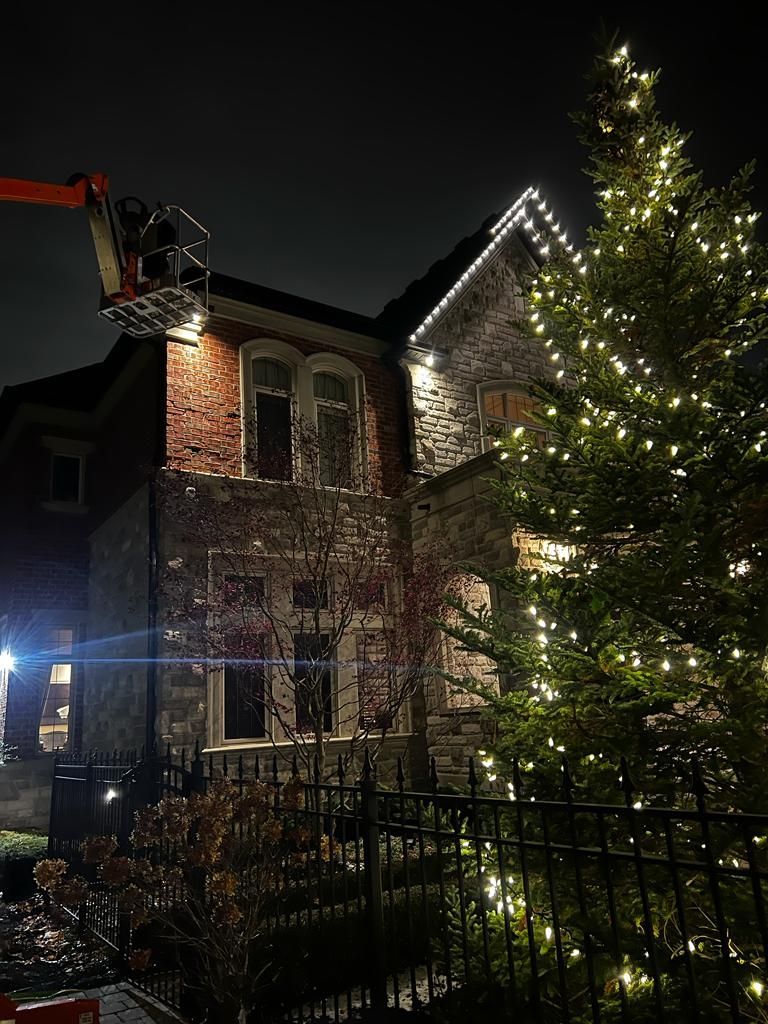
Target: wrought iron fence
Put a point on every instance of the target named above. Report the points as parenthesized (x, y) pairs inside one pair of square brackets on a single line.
[(474, 905)]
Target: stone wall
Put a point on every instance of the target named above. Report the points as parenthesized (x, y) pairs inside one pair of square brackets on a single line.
[(25, 793), (483, 343), (114, 696)]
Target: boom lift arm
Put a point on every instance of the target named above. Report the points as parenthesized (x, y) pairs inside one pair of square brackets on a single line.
[(152, 265)]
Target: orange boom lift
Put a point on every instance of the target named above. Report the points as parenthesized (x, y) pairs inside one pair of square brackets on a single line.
[(153, 265)]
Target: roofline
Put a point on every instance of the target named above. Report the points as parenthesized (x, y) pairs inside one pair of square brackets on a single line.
[(524, 213)]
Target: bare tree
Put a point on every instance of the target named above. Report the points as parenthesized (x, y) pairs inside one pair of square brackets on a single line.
[(302, 596)]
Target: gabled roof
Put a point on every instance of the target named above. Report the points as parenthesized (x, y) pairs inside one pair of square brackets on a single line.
[(80, 389), (426, 301)]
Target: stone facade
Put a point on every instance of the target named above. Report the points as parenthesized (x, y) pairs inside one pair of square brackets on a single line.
[(482, 344), (25, 793), (482, 340), (181, 407), (115, 684)]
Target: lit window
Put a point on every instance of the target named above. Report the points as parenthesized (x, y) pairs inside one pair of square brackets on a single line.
[(334, 429), (66, 478), (54, 714), (313, 679), (273, 411), (505, 410)]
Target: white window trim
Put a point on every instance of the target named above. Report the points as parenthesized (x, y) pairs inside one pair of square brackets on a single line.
[(487, 387), (269, 348), (328, 362), (345, 675)]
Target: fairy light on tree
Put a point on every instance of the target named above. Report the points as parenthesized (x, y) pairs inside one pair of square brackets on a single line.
[(657, 437)]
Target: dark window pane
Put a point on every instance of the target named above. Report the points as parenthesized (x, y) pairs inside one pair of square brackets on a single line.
[(310, 594), (65, 478), (330, 387), (244, 702), (312, 673), (269, 373), (273, 437), (371, 594), (241, 591), (335, 443)]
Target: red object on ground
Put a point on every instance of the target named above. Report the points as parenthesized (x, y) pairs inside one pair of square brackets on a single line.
[(52, 1011)]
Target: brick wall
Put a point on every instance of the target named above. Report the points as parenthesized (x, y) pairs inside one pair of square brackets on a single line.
[(203, 401)]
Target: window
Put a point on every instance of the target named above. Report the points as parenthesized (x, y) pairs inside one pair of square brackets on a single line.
[(273, 412), (310, 594), (371, 595), (240, 591), (313, 680), (66, 477), (374, 682), (504, 409), (334, 429), (244, 690), (53, 731)]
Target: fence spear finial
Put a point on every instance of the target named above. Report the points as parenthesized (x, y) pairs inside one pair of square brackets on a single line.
[(400, 775), (472, 776), (367, 766), (567, 780), (433, 777), (340, 770), (626, 784)]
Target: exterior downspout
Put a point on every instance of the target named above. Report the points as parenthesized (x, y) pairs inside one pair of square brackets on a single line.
[(153, 584)]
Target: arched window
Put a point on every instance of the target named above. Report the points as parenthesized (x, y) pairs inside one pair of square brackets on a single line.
[(273, 396), (335, 429), (504, 408)]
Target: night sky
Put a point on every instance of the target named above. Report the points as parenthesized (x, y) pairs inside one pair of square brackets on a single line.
[(334, 150)]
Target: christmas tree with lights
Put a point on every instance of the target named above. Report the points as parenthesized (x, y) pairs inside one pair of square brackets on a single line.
[(642, 628)]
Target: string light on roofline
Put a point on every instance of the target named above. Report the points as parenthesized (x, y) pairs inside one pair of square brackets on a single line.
[(517, 215)]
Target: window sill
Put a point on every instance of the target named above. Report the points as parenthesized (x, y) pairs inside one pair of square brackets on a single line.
[(283, 745), (70, 507)]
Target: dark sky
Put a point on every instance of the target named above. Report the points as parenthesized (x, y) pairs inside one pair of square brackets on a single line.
[(333, 149)]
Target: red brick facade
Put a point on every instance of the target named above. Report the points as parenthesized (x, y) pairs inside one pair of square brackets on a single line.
[(203, 430)]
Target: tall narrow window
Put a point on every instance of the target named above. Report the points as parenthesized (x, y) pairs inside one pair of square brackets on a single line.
[(66, 477), (334, 429), (53, 731), (244, 692), (314, 682), (272, 410)]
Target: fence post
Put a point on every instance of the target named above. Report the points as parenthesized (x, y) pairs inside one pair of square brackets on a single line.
[(374, 899)]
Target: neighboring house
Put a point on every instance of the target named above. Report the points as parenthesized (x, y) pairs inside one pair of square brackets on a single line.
[(83, 542)]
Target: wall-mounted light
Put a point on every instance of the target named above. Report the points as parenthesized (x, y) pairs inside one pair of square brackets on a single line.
[(432, 358), (111, 795), (188, 333), (7, 661)]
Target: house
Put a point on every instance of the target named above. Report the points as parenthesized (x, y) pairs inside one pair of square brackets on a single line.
[(86, 540)]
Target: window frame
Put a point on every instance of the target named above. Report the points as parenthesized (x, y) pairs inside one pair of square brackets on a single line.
[(504, 387), (354, 378), (51, 497)]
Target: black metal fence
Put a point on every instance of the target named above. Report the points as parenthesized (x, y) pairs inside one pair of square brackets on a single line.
[(473, 906)]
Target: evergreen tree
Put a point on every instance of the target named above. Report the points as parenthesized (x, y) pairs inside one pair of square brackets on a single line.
[(643, 632)]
